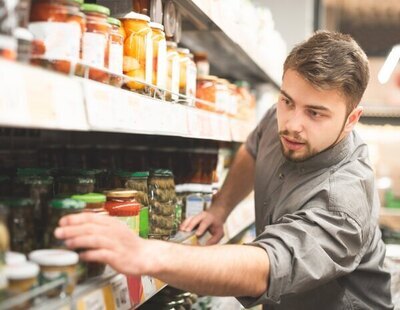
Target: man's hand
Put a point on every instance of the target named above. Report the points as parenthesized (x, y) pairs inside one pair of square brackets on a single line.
[(206, 221), (106, 240)]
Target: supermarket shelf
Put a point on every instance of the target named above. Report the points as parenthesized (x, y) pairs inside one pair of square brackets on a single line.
[(381, 115), (36, 98), (390, 218), (227, 49)]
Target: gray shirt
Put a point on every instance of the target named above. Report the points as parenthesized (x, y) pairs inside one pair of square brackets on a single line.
[(318, 222)]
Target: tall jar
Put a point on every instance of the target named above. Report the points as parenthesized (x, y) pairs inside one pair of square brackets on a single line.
[(138, 50), (116, 46), (159, 55), (188, 73), (59, 25), (95, 40), (173, 71)]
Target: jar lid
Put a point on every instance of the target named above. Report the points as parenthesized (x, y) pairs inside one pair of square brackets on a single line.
[(15, 258), (54, 257), (128, 209), (162, 173), (22, 271), (185, 51), (18, 202), (90, 198), (127, 174), (67, 204), (134, 15), (121, 193), (157, 26), (114, 21), (90, 7)]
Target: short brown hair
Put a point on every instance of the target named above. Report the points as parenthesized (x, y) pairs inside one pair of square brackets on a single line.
[(331, 60)]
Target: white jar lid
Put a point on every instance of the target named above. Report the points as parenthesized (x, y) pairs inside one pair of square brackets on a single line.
[(15, 258), (157, 26), (134, 15), (22, 271), (54, 257)]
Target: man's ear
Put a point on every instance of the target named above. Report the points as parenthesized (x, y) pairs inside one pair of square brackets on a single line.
[(353, 119)]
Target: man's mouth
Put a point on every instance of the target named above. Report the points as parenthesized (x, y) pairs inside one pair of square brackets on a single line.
[(292, 144)]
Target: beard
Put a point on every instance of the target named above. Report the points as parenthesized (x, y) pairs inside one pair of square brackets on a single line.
[(291, 155)]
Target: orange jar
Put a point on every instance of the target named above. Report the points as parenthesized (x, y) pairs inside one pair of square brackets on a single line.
[(207, 91), (138, 50), (115, 46), (159, 55), (173, 70), (59, 25)]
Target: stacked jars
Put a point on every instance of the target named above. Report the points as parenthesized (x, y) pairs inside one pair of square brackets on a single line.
[(173, 71), (58, 25), (95, 41), (162, 204), (188, 73), (138, 50), (159, 55)]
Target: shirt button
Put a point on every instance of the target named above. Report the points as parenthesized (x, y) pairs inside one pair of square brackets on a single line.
[(281, 176)]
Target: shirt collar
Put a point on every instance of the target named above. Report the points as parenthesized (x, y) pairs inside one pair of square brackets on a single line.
[(327, 158)]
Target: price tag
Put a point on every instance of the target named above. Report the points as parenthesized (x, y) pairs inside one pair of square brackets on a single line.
[(149, 286), (120, 291), (92, 301)]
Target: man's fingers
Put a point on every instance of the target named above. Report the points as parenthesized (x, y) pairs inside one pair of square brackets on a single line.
[(90, 242), (192, 222), (203, 227), (215, 238), (86, 217), (102, 256), (68, 232)]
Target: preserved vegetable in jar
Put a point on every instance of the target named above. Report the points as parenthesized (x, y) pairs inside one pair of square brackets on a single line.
[(173, 70), (116, 46), (188, 73), (159, 55), (138, 50), (136, 181), (95, 42), (59, 25)]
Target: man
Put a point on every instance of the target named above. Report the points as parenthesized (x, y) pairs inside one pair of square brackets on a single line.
[(318, 243)]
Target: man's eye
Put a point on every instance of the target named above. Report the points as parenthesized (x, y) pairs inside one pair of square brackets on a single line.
[(314, 113)]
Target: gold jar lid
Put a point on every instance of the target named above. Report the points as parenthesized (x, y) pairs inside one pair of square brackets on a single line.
[(121, 193)]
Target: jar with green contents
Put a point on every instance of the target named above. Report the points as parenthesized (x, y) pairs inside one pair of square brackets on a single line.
[(135, 181), (58, 209), (40, 188), (21, 224)]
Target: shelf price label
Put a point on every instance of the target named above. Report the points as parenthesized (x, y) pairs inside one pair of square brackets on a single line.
[(120, 292), (92, 301)]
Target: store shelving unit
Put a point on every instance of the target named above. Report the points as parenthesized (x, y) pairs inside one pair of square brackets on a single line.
[(381, 115)]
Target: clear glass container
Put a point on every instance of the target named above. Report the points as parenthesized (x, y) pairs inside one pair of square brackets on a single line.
[(173, 70), (116, 46), (159, 55), (188, 73)]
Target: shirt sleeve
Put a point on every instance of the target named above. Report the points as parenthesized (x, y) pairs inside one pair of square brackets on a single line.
[(253, 140), (307, 249)]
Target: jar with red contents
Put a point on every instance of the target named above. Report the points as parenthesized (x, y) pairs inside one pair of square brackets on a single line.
[(95, 40), (57, 26), (128, 213)]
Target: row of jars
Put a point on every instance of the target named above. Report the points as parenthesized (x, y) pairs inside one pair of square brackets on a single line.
[(69, 30)]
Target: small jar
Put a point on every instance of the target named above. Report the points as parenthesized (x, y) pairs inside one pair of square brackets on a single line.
[(22, 277), (173, 71), (159, 55), (95, 42), (14, 258), (121, 195), (94, 201), (188, 73), (116, 46), (134, 181), (58, 209), (21, 224), (57, 264), (59, 25), (138, 50), (128, 213), (207, 92)]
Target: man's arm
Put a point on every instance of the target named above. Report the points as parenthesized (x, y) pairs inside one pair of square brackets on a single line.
[(238, 184), (231, 270)]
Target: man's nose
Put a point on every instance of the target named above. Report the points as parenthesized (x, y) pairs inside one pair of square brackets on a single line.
[(295, 123)]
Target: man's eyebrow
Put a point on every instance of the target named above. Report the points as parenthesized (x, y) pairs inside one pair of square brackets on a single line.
[(287, 95), (318, 107)]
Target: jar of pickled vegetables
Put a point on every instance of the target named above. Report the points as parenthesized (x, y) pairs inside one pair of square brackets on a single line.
[(59, 25), (95, 42), (188, 73), (116, 46), (173, 71), (138, 50), (159, 55)]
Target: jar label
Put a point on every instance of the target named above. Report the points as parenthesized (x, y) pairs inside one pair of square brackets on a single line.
[(162, 64), (131, 221), (62, 40), (149, 59), (93, 49), (115, 58), (194, 205)]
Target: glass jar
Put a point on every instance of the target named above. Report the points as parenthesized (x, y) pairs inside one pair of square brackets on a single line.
[(202, 63), (95, 48), (93, 201), (128, 213), (173, 71), (138, 50), (222, 96), (59, 24), (22, 278), (136, 181), (57, 264), (159, 55), (21, 224), (41, 190), (207, 91), (116, 46), (121, 195), (58, 209), (232, 108), (71, 185), (188, 73)]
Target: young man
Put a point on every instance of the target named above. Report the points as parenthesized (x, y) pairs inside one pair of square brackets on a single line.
[(318, 243)]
